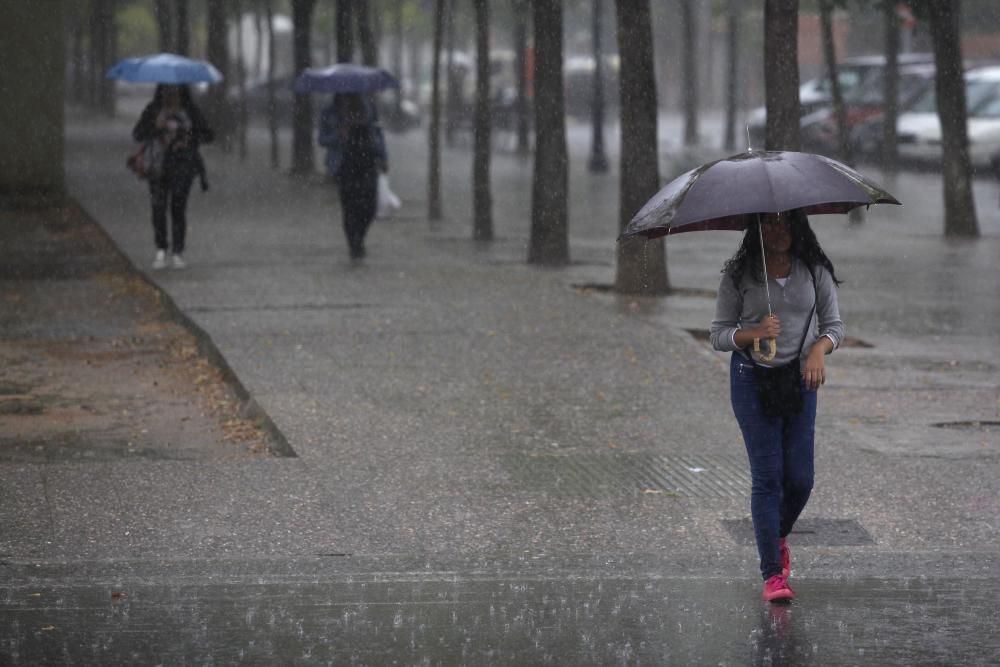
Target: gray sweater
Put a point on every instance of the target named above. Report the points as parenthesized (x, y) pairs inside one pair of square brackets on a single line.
[(744, 308)]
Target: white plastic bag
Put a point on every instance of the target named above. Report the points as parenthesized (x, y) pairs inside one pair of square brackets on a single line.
[(388, 202)]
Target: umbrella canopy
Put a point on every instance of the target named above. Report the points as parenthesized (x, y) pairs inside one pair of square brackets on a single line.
[(164, 68), (344, 78), (727, 193)]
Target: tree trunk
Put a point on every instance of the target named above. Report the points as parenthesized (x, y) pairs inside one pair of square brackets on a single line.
[(520, 51), (183, 29), (598, 160), (732, 73), (366, 38), (302, 121), (434, 138), (549, 243), (164, 25), (781, 74), (78, 69), (219, 114), (345, 34), (397, 51), (258, 52), (691, 58), (959, 206), (104, 38), (272, 111), (641, 265), (241, 80), (482, 226), (830, 56), (890, 144), (453, 93)]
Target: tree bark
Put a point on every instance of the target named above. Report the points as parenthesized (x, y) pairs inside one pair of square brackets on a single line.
[(183, 29), (549, 242), (959, 207), (641, 266), (366, 38), (691, 58), (520, 51), (732, 73), (219, 114), (303, 158), (241, 80), (397, 51), (104, 47), (164, 25), (781, 75), (598, 160), (890, 143), (78, 70), (482, 227), (830, 58), (453, 97), (345, 34), (272, 112), (434, 139)]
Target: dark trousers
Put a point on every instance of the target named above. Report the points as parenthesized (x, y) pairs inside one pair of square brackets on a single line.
[(357, 202), (780, 450), (171, 191)]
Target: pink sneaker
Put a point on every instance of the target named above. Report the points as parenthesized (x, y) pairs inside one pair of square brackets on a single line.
[(776, 589), (786, 557)]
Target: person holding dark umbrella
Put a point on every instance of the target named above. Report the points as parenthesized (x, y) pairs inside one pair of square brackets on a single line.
[(356, 147), (779, 288), (357, 177)]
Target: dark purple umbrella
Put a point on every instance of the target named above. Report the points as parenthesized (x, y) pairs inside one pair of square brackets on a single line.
[(728, 193), (345, 78)]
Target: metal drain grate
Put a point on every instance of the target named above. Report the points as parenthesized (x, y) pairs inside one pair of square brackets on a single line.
[(688, 475), (808, 532)]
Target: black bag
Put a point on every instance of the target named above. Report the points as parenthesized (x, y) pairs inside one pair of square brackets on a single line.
[(780, 389)]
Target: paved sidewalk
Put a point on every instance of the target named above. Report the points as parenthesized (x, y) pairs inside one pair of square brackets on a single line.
[(495, 465)]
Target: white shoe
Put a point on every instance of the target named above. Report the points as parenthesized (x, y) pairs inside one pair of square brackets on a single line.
[(161, 260), (178, 262)]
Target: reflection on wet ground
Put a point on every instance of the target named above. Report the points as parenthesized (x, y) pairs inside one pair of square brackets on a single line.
[(428, 619)]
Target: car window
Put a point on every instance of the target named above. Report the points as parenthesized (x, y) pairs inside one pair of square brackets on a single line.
[(977, 93), (849, 79), (989, 108)]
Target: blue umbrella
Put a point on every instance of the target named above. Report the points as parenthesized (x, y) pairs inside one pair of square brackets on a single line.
[(164, 68), (344, 78)]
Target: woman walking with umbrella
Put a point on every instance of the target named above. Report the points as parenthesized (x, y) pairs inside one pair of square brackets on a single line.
[(803, 317), (176, 127), (779, 288), (349, 130), (171, 128)]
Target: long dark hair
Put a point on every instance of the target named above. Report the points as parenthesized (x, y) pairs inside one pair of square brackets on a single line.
[(805, 247)]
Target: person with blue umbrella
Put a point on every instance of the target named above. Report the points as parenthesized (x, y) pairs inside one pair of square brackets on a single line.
[(171, 129), (176, 127)]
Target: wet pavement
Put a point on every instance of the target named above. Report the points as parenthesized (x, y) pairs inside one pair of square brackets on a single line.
[(497, 464), (312, 612)]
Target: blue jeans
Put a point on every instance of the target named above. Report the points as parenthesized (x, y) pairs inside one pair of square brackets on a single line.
[(780, 450)]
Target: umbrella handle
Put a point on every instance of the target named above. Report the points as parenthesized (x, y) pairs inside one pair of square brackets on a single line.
[(772, 345)]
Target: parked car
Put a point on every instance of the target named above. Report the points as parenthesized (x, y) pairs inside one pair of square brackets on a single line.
[(919, 130), (853, 74), (864, 109)]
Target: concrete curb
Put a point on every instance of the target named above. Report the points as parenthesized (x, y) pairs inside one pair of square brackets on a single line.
[(277, 443)]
